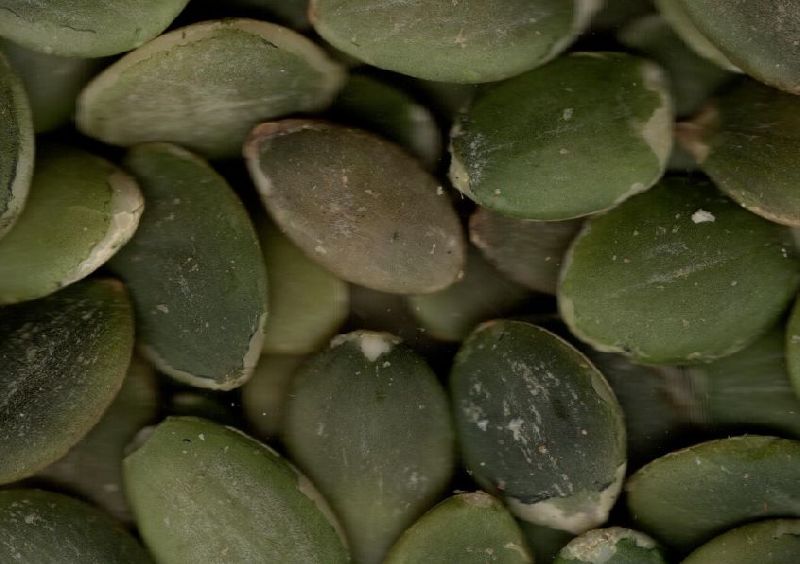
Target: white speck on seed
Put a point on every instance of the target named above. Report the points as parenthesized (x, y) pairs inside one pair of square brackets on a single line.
[(703, 216)]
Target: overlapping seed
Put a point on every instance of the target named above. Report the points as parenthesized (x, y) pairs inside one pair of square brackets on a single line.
[(369, 424), (538, 425), (614, 545), (195, 271), (774, 541), (452, 42), (206, 85), (361, 206), (64, 358), (466, 528), (602, 132)]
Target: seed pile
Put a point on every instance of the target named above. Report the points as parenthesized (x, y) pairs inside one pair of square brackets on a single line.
[(402, 282)]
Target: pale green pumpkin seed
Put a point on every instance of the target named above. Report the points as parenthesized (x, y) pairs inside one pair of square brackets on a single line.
[(482, 294), (747, 141), (265, 395), (462, 42), (48, 528), (64, 358), (614, 545), (370, 425), (81, 209), (758, 36), (89, 28), (389, 111), (51, 82), (693, 79), (688, 496), (202, 492), (657, 278), (468, 528), (206, 85), (538, 425), (195, 271), (572, 138), (360, 206), (528, 252), (93, 467), (675, 13), (307, 304), (768, 542), (16, 146)]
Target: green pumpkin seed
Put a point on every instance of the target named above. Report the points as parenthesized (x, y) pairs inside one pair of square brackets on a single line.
[(43, 527), (51, 82), (265, 395), (528, 252), (453, 42), (483, 294), (64, 358), (16, 146), (468, 528), (603, 132), (614, 545), (90, 28), (307, 304), (206, 85), (687, 497), (768, 542), (206, 493), (674, 11), (749, 390), (380, 107), (195, 271), (369, 423), (93, 467), (86, 205), (656, 277), (693, 79), (360, 206), (758, 36), (538, 425), (747, 142)]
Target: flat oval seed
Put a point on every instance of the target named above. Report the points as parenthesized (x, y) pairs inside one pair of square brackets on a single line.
[(369, 423), (360, 206), (656, 278), (528, 252), (86, 205), (195, 271), (51, 82), (307, 304), (90, 28), (16, 146), (206, 85), (688, 496), (468, 528), (389, 111), (675, 13), (603, 132), (768, 542), (614, 545), (453, 42), (44, 527), (206, 493), (538, 425), (93, 467), (747, 141), (266, 394), (62, 360), (483, 294), (693, 79), (758, 36)]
